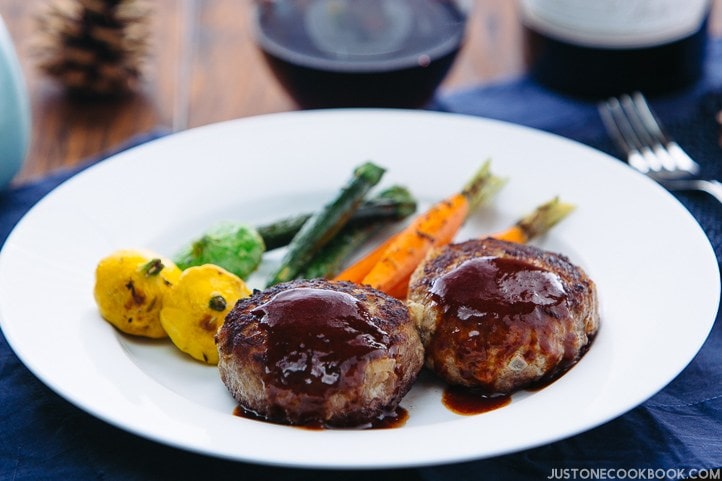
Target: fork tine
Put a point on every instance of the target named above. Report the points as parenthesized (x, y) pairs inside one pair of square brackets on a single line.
[(605, 112), (654, 126), (649, 131), (684, 161), (635, 129), (622, 133), (651, 123)]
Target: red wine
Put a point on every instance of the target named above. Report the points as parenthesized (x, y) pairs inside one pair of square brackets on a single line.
[(360, 53), (610, 48)]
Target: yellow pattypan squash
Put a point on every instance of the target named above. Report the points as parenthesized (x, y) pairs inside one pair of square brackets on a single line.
[(130, 286), (197, 306)]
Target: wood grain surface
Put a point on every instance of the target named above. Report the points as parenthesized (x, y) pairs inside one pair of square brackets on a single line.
[(204, 68)]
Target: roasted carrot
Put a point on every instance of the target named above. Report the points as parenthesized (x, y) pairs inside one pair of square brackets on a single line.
[(435, 227), (512, 234), (538, 222), (358, 270), (400, 290)]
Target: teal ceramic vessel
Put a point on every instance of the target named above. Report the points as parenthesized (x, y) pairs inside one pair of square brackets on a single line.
[(14, 111)]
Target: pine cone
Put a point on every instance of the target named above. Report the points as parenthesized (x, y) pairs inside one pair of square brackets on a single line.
[(94, 47)]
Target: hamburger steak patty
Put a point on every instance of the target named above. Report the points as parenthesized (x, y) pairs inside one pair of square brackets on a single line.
[(502, 316), (316, 352)]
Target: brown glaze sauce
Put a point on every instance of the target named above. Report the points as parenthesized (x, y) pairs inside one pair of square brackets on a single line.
[(319, 341), (316, 337), (490, 305), (492, 301), (395, 419), (562, 369), (469, 401), (488, 288)]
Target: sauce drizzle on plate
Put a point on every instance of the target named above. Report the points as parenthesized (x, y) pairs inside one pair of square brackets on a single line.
[(469, 401)]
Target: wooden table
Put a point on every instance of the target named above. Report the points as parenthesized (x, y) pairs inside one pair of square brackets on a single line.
[(205, 68)]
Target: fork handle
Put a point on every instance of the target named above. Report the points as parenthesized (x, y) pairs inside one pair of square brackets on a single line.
[(711, 187)]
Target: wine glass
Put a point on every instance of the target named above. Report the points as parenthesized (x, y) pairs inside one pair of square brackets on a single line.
[(360, 53)]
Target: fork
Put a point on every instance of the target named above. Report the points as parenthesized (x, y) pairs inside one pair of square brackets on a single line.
[(636, 130)]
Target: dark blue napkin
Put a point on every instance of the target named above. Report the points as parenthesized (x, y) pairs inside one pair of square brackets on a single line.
[(45, 437)]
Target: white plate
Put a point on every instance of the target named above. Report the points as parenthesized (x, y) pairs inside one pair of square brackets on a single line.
[(655, 270)]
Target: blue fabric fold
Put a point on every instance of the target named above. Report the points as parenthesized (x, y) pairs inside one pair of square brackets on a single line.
[(680, 428)]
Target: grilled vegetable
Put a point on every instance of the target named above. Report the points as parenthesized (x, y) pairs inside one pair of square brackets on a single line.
[(358, 270), (537, 222), (437, 226), (234, 246), (328, 221), (130, 288), (534, 224), (196, 307), (281, 232), (328, 261), (393, 203)]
